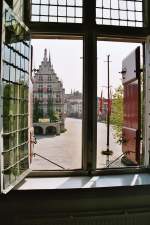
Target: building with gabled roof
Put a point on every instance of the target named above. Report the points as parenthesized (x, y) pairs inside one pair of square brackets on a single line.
[(48, 89)]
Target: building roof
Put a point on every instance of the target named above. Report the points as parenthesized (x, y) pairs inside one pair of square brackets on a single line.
[(46, 66)]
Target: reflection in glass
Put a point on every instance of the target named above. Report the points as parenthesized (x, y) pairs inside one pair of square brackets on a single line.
[(6, 71), (12, 77), (6, 53), (16, 48)]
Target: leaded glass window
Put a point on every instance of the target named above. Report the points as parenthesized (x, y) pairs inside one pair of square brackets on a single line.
[(14, 95)]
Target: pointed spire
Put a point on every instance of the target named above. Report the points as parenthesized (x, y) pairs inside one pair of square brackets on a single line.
[(49, 59), (45, 55)]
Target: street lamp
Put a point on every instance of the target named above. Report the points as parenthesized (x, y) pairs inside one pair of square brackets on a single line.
[(108, 152)]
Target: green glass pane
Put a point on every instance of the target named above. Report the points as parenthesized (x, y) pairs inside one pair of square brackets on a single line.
[(26, 92), (5, 124), (6, 158), (12, 89), (15, 170), (6, 142), (21, 91), (24, 165), (26, 149), (7, 178), (21, 106), (21, 152), (12, 175), (12, 157), (6, 91), (12, 107), (25, 135), (11, 123), (19, 102), (26, 107), (16, 91), (21, 137), (15, 107), (11, 141), (14, 139), (15, 123), (6, 106), (16, 154), (25, 121), (21, 122)]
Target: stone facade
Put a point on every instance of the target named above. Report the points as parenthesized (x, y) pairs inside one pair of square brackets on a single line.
[(48, 89), (73, 104)]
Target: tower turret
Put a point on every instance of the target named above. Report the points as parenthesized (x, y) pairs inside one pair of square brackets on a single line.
[(45, 55), (49, 59)]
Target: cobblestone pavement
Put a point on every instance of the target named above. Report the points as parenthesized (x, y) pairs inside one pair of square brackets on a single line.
[(65, 150)]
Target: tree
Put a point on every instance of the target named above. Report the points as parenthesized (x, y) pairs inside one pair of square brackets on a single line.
[(117, 112), (53, 116), (37, 112), (50, 111)]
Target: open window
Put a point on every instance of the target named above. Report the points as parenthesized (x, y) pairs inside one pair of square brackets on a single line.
[(57, 104), (131, 131), (70, 22), (120, 105), (14, 100)]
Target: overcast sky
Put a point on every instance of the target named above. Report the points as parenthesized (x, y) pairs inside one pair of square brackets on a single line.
[(66, 57)]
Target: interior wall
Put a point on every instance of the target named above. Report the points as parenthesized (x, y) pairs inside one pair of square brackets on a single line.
[(109, 206)]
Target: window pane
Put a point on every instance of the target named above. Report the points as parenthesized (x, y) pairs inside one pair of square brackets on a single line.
[(15, 64), (58, 103), (70, 11), (36, 1), (63, 11), (62, 2), (116, 102), (119, 12), (35, 9), (44, 10)]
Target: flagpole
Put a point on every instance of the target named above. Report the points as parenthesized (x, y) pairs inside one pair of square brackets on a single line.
[(108, 152), (108, 99)]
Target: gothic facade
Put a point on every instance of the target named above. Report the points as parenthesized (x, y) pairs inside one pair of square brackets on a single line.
[(48, 89)]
